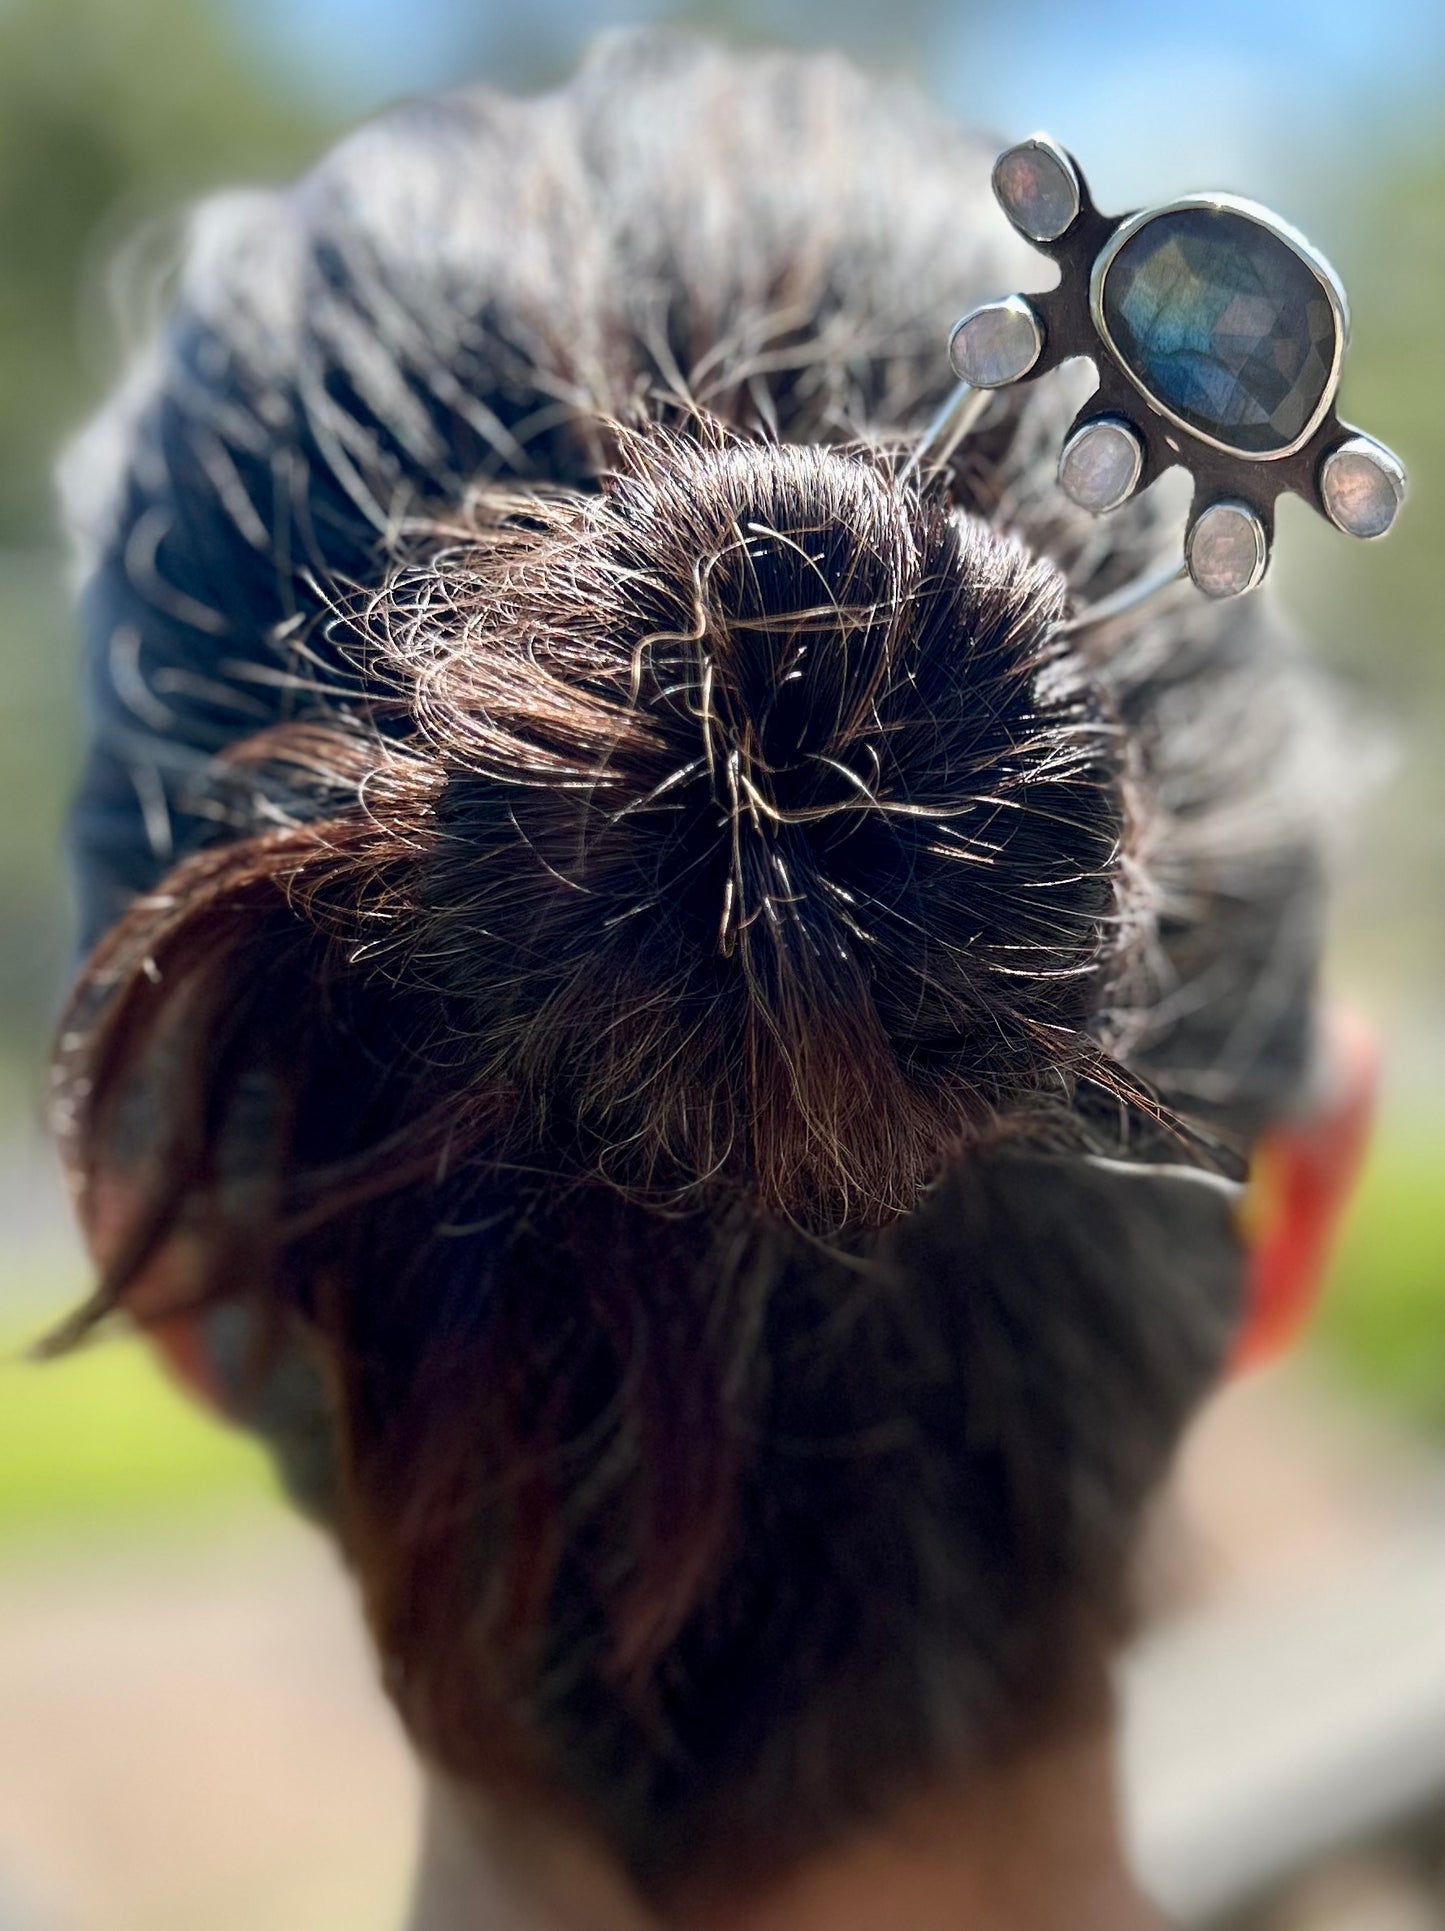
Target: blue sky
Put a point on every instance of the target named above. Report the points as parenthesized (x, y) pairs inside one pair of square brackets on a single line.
[(1261, 95)]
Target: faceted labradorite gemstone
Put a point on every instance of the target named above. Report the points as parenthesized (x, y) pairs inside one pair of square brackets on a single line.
[(1222, 323)]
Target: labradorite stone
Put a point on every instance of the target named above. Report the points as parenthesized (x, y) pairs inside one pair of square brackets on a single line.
[(1224, 324)]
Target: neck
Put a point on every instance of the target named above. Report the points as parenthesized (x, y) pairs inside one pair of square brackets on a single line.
[(1039, 1848)]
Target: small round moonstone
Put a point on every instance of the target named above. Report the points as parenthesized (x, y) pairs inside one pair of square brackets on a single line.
[(1362, 485), (1037, 188), (1226, 550), (996, 344), (1100, 464)]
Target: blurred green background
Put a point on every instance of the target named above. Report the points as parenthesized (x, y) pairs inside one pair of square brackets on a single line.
[(114, 114)]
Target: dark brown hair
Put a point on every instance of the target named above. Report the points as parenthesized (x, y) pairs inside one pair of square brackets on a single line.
[(633, 946)]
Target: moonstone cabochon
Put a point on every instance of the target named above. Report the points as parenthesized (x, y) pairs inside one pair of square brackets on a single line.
[(1100, 464), (1226, 550), (1224, 325), (1362, 485), (996, 344), (1037, 188)]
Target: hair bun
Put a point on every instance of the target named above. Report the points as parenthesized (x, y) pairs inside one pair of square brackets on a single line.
[(776, 840)]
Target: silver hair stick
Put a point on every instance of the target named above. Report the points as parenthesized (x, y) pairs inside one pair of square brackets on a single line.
[(1232, 1191), (1127, 602), (1218, 334), (958, 414)]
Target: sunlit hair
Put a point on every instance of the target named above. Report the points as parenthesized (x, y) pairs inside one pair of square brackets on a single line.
[(636, 947)]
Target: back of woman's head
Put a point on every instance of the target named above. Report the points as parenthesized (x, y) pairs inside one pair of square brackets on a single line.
[(701, 1018)]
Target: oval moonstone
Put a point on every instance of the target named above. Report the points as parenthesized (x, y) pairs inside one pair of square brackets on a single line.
[(1224, 325)]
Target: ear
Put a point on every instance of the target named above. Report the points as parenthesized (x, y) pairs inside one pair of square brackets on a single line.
[(1302, 1178)]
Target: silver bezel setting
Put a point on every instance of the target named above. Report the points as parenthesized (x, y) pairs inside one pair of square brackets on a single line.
[(1323, 273)]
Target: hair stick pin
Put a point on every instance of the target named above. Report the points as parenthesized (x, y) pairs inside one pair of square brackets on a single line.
[(1218, 334)]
